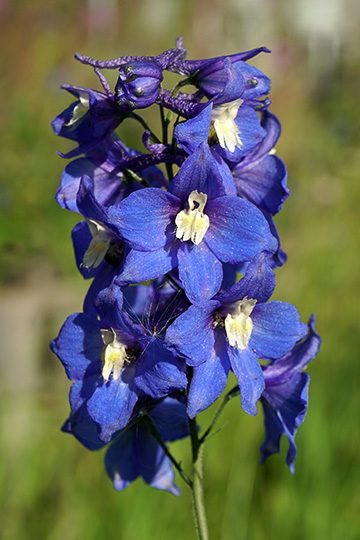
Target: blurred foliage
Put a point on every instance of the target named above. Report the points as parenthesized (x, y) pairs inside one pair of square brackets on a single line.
[(51, 486)]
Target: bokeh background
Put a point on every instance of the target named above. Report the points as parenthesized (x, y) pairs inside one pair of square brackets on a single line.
[(51, 487)]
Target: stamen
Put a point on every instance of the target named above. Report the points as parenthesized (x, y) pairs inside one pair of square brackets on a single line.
[(223, 120), (192, 224), (98, 246), (79, 111), (238, 326), (114, 355)]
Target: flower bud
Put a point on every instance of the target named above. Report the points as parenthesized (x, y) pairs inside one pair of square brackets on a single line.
[(138, 85)]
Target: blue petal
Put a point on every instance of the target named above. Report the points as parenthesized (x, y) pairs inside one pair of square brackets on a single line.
[(81, 391), (146, 218), (190, 134), (157, 372), (169, 417), (284, 409), (191, 335), (249, 74), (79, 346), (250, 133), (140, 266), (200, 271), (272, 128), (209, 380), (70, 181), (249, 375), (109, 305), (202, 172), (264, 184), (86, 202), (279, 371), (81, 237), (258, 282), (276, 329), (84, 429), (112, 404), (102, 280), (121, 461), (155, 467), (238, 231)]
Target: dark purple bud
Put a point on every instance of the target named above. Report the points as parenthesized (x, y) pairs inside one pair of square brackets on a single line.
[(138, 85)]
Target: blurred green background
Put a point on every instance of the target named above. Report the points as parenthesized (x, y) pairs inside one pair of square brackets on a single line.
[(53, 488)]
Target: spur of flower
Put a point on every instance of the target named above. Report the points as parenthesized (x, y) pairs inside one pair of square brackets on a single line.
[(232, 331), (113, 362)]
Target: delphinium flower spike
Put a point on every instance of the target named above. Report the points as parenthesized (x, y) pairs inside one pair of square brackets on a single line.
[(182, 265)]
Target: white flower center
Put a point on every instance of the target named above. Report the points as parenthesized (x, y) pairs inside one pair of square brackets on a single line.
[(80, 110), (238, 326), (114, 355), (99, 245), (223, 120), (192, 224)]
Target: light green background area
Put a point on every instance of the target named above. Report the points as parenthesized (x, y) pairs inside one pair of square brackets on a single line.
[(53, 488)]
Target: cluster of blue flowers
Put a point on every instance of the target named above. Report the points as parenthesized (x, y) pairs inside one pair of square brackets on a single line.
[(165, 236)]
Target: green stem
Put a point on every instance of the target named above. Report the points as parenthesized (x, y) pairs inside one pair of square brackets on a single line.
[(197, 483), (232, 393), (176, 464)]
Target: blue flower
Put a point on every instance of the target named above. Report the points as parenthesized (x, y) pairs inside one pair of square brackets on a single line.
[(212, 75), (233, 330), (285, 398), (195, 225), (113, 362), (135, 451), (232, 129), (88, 120)]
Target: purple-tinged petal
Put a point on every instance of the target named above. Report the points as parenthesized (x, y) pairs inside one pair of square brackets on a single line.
[(79, 346), (249, 375), (70, 181), (209, 379), (209, 66), (238, 231), (191, 335), (112, 403), (87, 203), (272, 128), (281, 370), (285, 408), (276, 329), (145, 218), (140, 266), (264, 184), (200, 271), (158, 372)]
